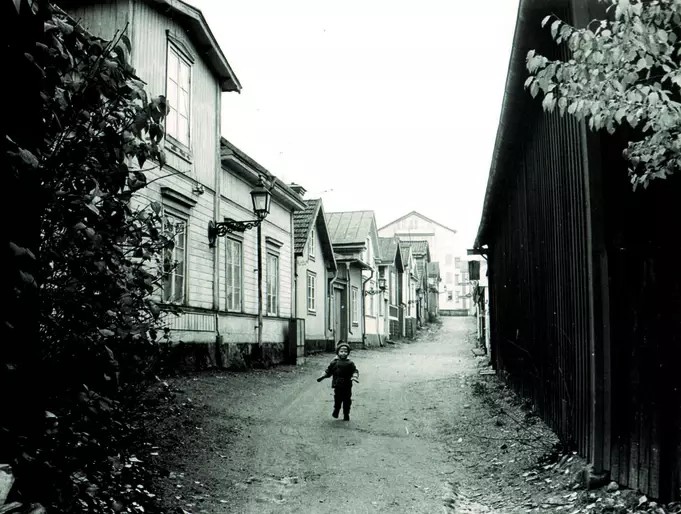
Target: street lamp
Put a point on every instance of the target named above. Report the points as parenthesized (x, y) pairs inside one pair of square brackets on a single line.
[(382, 284), (261, 199)]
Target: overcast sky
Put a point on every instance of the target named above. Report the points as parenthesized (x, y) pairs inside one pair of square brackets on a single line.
[(385, 105)]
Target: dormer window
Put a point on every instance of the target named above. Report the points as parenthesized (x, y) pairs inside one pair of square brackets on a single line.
[(311, 246)]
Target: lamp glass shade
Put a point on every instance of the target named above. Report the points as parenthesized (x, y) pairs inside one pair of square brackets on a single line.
[(261, 200), (381, 283)]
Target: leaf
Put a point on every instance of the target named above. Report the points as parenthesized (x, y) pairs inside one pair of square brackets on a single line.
[(126, 41), (28, 158), (534, 90), (641, 64), (106, 332), (546, 20), (554, 28)]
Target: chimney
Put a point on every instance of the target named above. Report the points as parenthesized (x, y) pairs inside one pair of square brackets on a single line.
[(300, 190)]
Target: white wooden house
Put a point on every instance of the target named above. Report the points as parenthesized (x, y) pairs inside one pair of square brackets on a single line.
[(204, 180), (355, 244), (316, 270)]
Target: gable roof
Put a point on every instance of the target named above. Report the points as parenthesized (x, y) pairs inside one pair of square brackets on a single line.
[(193, 21), (302, 224), (350, 227), (414, 213), (419, 248), (312, 216), (388, 249)]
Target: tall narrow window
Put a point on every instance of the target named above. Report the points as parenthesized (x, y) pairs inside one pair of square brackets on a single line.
[(175, 261), (178, 93), (355, 306), (311, 292), (234, 276), (393, 287), (272, 284), (313, 241)]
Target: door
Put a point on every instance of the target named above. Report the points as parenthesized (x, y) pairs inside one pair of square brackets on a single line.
[(338, 316)]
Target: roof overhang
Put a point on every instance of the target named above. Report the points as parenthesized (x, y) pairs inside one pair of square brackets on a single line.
[(237, 162), (528, 35), (199, 31)]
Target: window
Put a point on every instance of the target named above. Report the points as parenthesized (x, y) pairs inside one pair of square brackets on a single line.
[(272, 284), (233, 275), (457, 263), (369, 301), (448, 259), (311, 292), (355, 306), (175, 261), (450, 295), (311, 246), (178, 93), (393, 287), (449, 278)]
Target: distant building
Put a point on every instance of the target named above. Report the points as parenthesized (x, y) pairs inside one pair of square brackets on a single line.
[(445, 248)]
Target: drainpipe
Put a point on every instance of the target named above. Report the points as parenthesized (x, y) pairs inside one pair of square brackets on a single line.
[(364, 319), (329, 299), (217, 200), (348, 300)]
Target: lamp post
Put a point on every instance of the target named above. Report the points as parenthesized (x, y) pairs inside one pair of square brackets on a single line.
[(261, 198)]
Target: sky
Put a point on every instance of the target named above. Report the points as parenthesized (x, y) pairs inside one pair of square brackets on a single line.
[(383, 105)]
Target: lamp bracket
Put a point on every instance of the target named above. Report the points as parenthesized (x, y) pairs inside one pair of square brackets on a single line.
[(228, 226)]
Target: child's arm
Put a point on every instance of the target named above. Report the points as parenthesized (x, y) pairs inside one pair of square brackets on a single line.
[(327, 373), (355, 374)]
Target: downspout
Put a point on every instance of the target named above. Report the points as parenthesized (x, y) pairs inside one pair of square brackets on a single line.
[(364, 306), (329, 299), (294, 267), (348, 300), (217, 196)]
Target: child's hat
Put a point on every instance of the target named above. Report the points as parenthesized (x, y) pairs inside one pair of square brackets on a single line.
[(342, 344)]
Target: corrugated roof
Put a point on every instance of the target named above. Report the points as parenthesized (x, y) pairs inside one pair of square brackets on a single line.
[(302, 223), (349, 227)]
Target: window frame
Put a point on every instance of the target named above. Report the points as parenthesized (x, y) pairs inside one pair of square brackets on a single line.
[(268, 288), (312, 245), (175, 47), (354, 306), (172, 275), (228, 242), (312, 286)]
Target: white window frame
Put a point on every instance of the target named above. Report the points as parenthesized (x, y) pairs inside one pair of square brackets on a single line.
[(312, 245), (170, 294), (272, 285), (354, 305), (311, 292), (234, 287), (173, 129), (393, 287)]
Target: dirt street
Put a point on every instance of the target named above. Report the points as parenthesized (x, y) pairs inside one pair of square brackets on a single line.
[(265, 441)]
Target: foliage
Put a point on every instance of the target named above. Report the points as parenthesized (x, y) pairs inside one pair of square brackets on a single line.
[(98, 265), (621, 70)]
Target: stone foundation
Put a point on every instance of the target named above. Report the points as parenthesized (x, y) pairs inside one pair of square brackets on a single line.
[(313, 346), (235, 356)]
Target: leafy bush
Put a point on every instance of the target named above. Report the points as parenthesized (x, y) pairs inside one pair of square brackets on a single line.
[(99, 262)]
